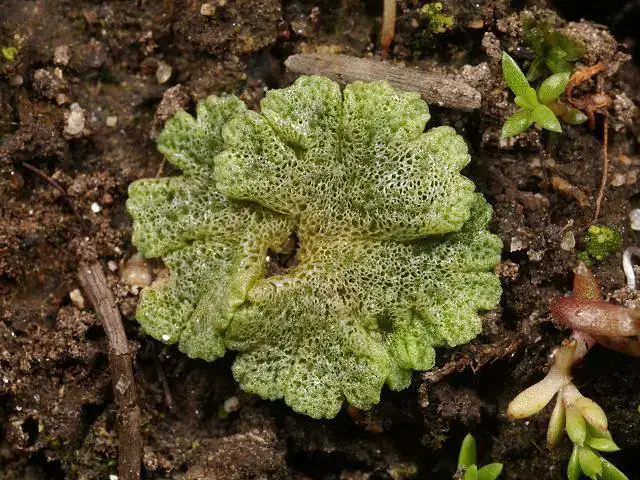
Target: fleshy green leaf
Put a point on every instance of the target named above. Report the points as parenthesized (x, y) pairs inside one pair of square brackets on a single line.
[(471, 473), (573, 116), (556, 422), (545, 118), (576, 425), (611, 472), (467, 455), (490, 471), (573, 468), (603, 444), (553, 87), (590, 462), (517, 123), (513, 76), (329, 240)]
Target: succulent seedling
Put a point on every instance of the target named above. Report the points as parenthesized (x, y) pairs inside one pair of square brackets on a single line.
[(467, 463), (592, 320), (539, 107)]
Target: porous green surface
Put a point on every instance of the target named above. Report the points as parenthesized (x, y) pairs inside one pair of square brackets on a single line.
[(393, 257)]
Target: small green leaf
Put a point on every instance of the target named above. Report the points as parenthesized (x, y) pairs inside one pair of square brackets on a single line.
[(576, 426), (536, 69), (556, 423), (557, 66), (603, 444), (611, 472), (514, 77), (545, 118), (592, 413), (522, 103), (467, 455), (490, 472), (517, 123), (553, 87), (590, 462), (573, 468), (573, 116), (471, 473), (573, 49)]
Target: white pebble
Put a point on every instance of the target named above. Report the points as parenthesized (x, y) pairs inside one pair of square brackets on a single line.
[(516, 244), (568, 241), (95, 207), (75, 121), (231, 404), (111, 121), (112, 266), (634, 218), (76, 298), (207, 10), (165, 338), (163, 73)]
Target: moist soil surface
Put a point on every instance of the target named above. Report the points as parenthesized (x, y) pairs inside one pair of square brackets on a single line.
[(86, 86)]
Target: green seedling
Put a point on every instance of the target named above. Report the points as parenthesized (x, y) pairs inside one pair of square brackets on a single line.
[(537, 107), (555, 52), (467, 462)]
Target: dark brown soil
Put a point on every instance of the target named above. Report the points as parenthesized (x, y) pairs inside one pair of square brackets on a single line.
[(57, 416)]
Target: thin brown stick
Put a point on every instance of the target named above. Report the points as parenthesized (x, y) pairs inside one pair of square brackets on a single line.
[(605, 167), (388, 30), (434, 88), (94, 284), (54, 184)]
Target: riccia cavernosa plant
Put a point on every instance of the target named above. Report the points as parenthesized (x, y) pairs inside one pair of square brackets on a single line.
[(328, 239)]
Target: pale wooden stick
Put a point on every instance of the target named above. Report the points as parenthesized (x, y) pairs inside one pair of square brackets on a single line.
[(120, 359), (434, 88)]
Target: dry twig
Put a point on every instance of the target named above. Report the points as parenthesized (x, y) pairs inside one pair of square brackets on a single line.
[(54, 184), (120, 361), (435, 89), (388, 30), (591, 104)]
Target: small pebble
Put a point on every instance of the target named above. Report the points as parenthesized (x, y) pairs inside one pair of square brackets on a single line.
[(111, 121), (568, 241), (516, 244), (231, 404), (61, 55), (75, 121), (163, 73), (16, 80), (95, 208), (77, 299), (619, 179), (61, 99), (165, 338), (112, 266), (136, 272), (207, 10), (634, 218)]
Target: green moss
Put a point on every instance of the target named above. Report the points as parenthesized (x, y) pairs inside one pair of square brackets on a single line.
[(393, 257), (9, 53), (601, 241), (438, 22)]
